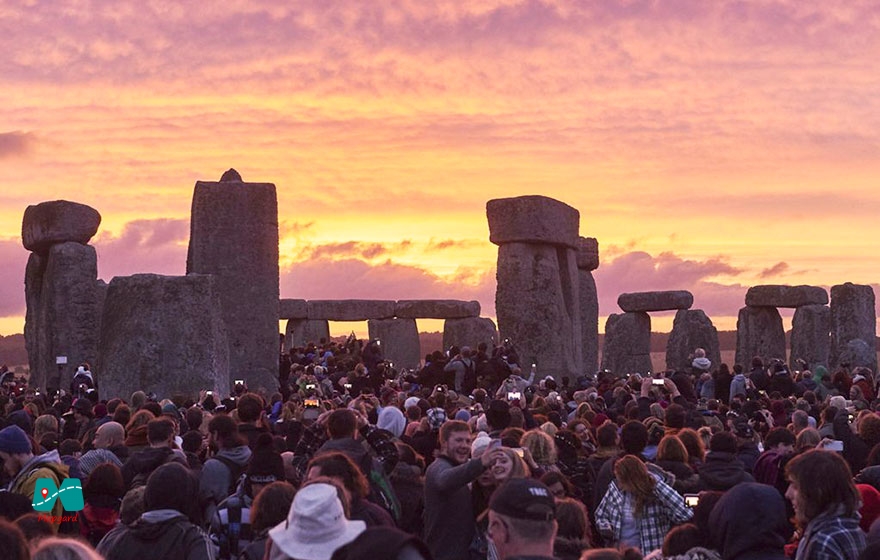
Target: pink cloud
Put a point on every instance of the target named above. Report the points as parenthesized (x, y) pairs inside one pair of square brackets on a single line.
[(16, 143), (143, 246)]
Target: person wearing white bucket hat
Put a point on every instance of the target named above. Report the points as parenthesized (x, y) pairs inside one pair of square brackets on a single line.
[(316, 526)]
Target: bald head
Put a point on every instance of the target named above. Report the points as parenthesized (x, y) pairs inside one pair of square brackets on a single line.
[(109, 434)]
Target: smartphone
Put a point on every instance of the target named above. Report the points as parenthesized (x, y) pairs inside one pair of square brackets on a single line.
[(239, 381), (834, 445), (658, 382), (691, 500), (347, 385), (310, 385), (209, 393), (312, 403), (513, 395)]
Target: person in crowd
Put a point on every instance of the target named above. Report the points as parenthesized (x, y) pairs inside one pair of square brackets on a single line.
[(449, 515), (639, 509), (24, 469), (13, 542), (250, 409), (165, 530), (522, 520), (342, 470), (826, 504), (160, 435), (750, 521), (55, 548), (269, 509), (722, 470), (384, 543), (316, 526), (221, 473), (672, 456), (573, 535), (103, 491)]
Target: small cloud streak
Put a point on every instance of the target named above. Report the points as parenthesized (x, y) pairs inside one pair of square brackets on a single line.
[(775, 270), (16, 144)]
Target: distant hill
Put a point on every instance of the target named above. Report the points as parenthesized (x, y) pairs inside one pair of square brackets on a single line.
[(12, 350)]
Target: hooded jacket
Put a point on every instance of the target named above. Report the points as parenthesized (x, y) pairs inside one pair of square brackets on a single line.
[(143, 463), (722, 471), (216, 478), (162, 533), (47, 465), (749, 523)]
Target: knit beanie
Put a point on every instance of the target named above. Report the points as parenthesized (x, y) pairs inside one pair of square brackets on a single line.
[(170, 487), (265, 466), (13, 440)]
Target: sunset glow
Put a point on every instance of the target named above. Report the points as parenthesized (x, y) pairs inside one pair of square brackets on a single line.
[(709, 146)]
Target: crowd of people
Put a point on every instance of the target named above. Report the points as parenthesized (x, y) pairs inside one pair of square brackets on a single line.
[(472, 457)]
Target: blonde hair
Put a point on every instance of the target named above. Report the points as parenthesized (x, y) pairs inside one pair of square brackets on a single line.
[(549, 428), (519, 469), (541, 446), (45, 424), (56, 548)]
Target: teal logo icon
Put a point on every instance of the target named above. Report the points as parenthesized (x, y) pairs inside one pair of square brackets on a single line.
[(70, 494)]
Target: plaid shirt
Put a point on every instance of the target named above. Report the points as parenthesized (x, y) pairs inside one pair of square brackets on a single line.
[(832, 536), (665, 510)]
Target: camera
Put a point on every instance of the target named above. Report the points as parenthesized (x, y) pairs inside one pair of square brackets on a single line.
[(310, 385), (658, 382), (834, 445), (691, 500), (513, 395)]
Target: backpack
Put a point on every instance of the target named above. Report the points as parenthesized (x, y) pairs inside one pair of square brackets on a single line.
[(235, 472), (381, 491)]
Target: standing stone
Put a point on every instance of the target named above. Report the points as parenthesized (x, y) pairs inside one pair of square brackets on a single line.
[(67, 318), (33, 288), (627, 347), (858, 353), (810, 336), (470, 331), (536, 301), (400, 341), (58, 221), (163, 334), (759, 332), (691, 329), (588, 296), (234, 235), (300, 332), (537, 294), (853, 316)]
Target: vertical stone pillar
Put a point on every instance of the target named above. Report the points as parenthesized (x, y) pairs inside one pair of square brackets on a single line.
[(469, 331), (302, 331), (537, 293), (759, 332), (810, 336), (588, 261), (691, 329), (234, 236), (853, 319), (627, 347), (400, 341), (63, 303)]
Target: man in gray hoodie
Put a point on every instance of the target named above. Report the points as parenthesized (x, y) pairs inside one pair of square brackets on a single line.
[(221, 472)]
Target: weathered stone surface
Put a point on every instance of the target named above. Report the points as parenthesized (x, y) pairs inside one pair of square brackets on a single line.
[(691, 329), (469, 331), (785, 296), (293, 309), (164, 334), (810, 336), (350, 309), (589, 302), (33, 287), (536, 301), (588, 253), (234, 236), (58, 221), (400, 341), (759, 333), (852, 317), (436, 309), (231, 176), (532, 219), (302, 331), (627, 347), (655, 301), (67, 317), (858, 353)]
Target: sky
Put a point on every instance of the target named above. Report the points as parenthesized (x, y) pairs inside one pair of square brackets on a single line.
[(709, 146)]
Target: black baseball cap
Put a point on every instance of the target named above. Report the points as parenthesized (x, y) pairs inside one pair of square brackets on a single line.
[(524, 498)]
